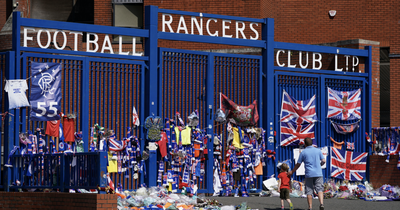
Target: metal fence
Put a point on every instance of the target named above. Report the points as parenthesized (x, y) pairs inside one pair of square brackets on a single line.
[(59, 171), (103, 88)]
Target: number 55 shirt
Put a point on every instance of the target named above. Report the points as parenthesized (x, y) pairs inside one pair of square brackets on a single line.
[(16, 93)]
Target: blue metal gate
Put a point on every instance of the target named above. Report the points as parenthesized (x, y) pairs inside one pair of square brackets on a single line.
[(189, 78), (117, 81), (102, 88), (303, 84)]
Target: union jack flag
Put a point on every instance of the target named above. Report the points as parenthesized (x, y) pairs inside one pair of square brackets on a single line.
[(394, 148), (348, 165), (344, 105), (294, 134), (116, 145), (350, 145), (110, 182), (297, 111)]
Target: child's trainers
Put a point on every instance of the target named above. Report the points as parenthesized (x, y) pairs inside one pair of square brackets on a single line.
[(282, 207), (291, 206)]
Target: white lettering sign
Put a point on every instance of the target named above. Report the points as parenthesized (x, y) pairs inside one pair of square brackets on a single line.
[(45, 37), (196, 23), (316, 60)]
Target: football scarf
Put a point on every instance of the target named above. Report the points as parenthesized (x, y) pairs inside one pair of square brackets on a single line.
[(92, 143), (394, 146), (345, 128), (8, 164), (369, 139), (185, 177), (160, 171), (30, 143), (79, 141), (119, 162), (179, 119), (344, 105)]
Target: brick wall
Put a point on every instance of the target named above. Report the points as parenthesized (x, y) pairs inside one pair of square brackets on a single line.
[(308, 22), (103, 12), (3, 13), (384, 173), (60, 201), (6, 41)]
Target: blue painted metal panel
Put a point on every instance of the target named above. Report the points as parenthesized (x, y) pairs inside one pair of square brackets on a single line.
[(5, 60), (268, 95), (186, 76), (210, 105), (9, 127), (59, 171), (300, 87), (117, 86), (80, 53), (183, 79), (45, 169), (314, 71), (211, 39), (151, 83)]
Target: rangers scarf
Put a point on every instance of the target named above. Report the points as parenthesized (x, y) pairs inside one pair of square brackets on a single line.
[(348, 165), (345, 128), (344, 105), (297, 111)]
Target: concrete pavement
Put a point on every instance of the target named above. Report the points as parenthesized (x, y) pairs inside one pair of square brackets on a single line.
[(265, 203)]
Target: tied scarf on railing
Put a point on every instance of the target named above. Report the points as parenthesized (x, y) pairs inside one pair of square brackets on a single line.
[(369, 139), (8, 164), (271, 154), (345, 128)]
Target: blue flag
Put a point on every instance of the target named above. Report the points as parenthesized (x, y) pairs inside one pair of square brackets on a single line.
[(45, 94)]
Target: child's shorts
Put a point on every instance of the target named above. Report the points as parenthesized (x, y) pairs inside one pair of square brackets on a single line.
[(284, 194)]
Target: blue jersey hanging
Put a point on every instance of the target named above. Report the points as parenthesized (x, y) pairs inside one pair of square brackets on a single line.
[(45, 94)]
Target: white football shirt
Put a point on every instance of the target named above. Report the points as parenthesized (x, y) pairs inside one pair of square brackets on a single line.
[(16, 93)]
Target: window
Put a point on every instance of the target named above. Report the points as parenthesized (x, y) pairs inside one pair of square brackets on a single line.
[(128, 14), (79, 11), (385, 87)]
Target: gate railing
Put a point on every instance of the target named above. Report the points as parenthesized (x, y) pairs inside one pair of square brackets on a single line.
[(59, 171)]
